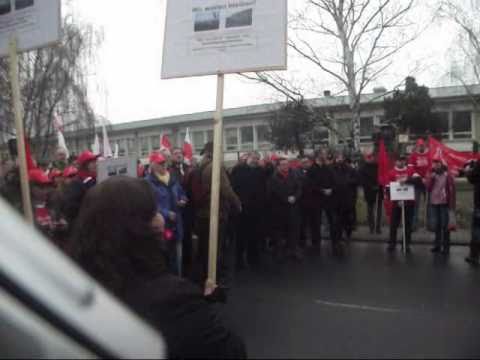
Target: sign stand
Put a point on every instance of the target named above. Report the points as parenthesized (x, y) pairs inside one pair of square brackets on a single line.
[(18, 112), (216, 176), (404, 233)]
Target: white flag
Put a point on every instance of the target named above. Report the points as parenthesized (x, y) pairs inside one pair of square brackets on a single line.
[(115, 154), (62, 144), (107, 149), (96, 146), (58, 125)]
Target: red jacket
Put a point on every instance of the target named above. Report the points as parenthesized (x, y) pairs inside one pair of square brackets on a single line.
[(420, 162)]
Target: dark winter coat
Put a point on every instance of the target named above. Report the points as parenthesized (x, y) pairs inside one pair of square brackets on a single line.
[(279, 190), (368, 177), (323, 178), (73, 197), (474, 179), (250, 184), (310, 197), (191, 327), (346, 182)]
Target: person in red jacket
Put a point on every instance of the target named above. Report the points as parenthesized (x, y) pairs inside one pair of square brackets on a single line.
[(404, 175), (421, 164)]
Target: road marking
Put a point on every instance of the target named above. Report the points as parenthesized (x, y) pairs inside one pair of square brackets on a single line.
[(357, 307)]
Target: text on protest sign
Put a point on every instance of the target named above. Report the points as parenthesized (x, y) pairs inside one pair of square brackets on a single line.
[(207, 37), (399, 192), (124, 166), (34, 24)]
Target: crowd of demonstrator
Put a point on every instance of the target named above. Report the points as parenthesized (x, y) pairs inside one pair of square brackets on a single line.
[(140, 237)]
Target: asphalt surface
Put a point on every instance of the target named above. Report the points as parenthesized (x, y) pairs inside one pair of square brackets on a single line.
[(367, 305)]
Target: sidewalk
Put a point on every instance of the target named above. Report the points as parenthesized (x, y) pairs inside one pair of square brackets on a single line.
[(421, 236)]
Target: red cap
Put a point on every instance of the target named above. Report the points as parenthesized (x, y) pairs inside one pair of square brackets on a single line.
[(420, 142), (86, 157), (54, 173), (37, 176), (70, 171), (274, 157), (157, 158)]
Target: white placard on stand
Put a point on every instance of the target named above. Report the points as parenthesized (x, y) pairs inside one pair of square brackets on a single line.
[(400, 192), (209, 37), (124, 166), (33, 23)]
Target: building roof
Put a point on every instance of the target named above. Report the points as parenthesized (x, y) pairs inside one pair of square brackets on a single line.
[(329, 101)]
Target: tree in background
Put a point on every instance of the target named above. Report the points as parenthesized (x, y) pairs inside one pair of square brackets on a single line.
[(353, 41), (465, 54), (53, 81), (410, 110)]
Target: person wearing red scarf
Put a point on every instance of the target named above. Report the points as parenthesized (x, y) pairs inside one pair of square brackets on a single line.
[(285, 191)]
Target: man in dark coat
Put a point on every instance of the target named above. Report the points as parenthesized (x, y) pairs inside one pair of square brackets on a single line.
[(250, 184), (323, 178), (75, 192), (346, 181), (473, 176), (285, 191), (309, 205), (368, 176)]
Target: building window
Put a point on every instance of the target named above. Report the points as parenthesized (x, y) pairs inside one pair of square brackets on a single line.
[(155, 141), (144, 146), (231, 139), (462, 125), (131, 147), (198, 140), (263, 141), (366, 128), (246, 136), (442, 123), (209, 135), (321, 136), (122, 150), (344, 127)]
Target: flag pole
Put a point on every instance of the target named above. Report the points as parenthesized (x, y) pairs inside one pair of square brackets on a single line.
[(18, 112), (216, 176), (403, 229)]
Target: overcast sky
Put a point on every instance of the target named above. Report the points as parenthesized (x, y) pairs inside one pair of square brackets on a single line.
[(126, 84)]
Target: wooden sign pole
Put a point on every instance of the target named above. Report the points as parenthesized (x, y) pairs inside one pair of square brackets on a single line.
[(18, 112), (216, 176), (404, 232)]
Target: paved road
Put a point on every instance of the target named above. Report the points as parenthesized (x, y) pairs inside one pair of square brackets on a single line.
[(368, 305)]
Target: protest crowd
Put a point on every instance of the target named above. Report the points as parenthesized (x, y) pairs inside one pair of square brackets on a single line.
[(137, 236)]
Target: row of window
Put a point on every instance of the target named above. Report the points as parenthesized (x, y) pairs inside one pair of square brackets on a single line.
[(453, 125)]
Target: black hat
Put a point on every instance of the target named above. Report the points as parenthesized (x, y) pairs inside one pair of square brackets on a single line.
[(208, 148)]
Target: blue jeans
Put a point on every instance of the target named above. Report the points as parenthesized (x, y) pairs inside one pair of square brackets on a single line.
[(441, 220)]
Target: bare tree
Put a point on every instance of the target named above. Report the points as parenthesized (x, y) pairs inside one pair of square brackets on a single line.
[(353, 41), (53, 81), (465, 54)]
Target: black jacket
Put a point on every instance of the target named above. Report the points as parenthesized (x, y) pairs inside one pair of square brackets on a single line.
[(368, 177), (474, 179), (190, 325), (250, 184), (280, 189), (346, 182), (73, 197), (323, 178)]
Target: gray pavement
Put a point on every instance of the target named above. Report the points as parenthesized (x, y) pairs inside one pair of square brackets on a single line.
[(367, 305)]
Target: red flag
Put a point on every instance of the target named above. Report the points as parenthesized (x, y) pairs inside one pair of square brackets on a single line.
[(187, 147), (165, 144), (28, 154), (383, 164), (384, 168), (455, 160)]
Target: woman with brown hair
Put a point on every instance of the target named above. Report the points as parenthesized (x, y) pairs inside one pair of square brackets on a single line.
[(116, 240)]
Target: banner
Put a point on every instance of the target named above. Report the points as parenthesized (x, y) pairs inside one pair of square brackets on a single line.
[(124, 166), (455, 160), (207, 37), (34, 23)]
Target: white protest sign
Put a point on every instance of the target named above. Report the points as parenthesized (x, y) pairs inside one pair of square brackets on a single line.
[(207, 37), (34, 23), (400, 192), (124, 166)]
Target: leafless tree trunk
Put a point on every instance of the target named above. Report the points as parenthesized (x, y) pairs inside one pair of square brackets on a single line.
[(53, 81), (465, 67), (353, 41)]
